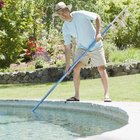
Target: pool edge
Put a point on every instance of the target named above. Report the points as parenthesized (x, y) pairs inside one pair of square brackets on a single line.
[(128, 111)]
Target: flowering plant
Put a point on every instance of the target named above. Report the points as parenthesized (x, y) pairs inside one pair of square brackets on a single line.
[(30, 49), (2, 4), (40, 56)]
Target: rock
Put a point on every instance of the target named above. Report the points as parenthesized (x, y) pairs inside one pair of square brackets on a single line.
[(54, 74)]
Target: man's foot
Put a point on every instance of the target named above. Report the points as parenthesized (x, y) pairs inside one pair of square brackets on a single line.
[(107, 100), (72, 99)]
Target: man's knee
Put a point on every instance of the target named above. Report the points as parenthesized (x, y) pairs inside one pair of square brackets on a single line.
[(77, 68), (101, 68)]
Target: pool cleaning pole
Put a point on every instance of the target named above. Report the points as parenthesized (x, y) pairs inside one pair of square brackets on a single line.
[(77, 61)]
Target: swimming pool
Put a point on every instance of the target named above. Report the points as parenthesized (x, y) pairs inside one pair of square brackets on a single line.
[(57, 120)]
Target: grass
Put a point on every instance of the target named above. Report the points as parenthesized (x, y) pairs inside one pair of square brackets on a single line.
[(123, 88), (127, 55), (117, 56)]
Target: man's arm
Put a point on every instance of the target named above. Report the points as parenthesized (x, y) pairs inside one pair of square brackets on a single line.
[(98, 28), (67, 56)]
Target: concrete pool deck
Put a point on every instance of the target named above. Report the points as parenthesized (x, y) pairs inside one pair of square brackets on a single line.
[(131, 131)]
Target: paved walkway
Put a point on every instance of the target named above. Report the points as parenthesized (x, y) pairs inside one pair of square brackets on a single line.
[(131, 131)]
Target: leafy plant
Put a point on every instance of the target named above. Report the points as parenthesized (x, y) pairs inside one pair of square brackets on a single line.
[(18, 21), (21, 19)]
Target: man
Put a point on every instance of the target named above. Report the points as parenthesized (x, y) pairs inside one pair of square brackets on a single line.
[(78, 25)]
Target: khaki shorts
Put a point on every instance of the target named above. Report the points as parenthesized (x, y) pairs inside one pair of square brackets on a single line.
[(91, 59)]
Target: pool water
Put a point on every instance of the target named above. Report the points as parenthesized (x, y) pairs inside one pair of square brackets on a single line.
[(51, 124)]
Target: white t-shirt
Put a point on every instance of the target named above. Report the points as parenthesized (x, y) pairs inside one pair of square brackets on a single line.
[(81, 28)]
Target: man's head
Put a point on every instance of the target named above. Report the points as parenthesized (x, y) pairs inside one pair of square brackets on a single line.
[(60, 6), (62, 10)]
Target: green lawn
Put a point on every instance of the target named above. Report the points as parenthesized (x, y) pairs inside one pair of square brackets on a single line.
[(123, 88)]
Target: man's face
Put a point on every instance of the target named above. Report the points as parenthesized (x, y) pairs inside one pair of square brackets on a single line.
[(63, 14)]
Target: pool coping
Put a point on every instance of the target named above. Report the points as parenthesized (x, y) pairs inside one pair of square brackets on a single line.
[(129, 111)]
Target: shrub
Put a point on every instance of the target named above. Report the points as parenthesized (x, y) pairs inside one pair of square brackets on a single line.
[(18, 20), (21, 19)]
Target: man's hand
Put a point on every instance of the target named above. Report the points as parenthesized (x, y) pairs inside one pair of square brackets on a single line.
[(66, 69), (98, 37)]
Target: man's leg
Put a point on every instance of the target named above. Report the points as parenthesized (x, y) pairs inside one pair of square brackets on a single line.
[(76, 79), (104, 78)]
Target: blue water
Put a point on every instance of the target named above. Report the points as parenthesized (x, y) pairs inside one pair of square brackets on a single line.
[(18, 123)]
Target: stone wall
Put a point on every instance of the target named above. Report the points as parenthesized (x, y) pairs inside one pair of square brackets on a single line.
[(54, 74)]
